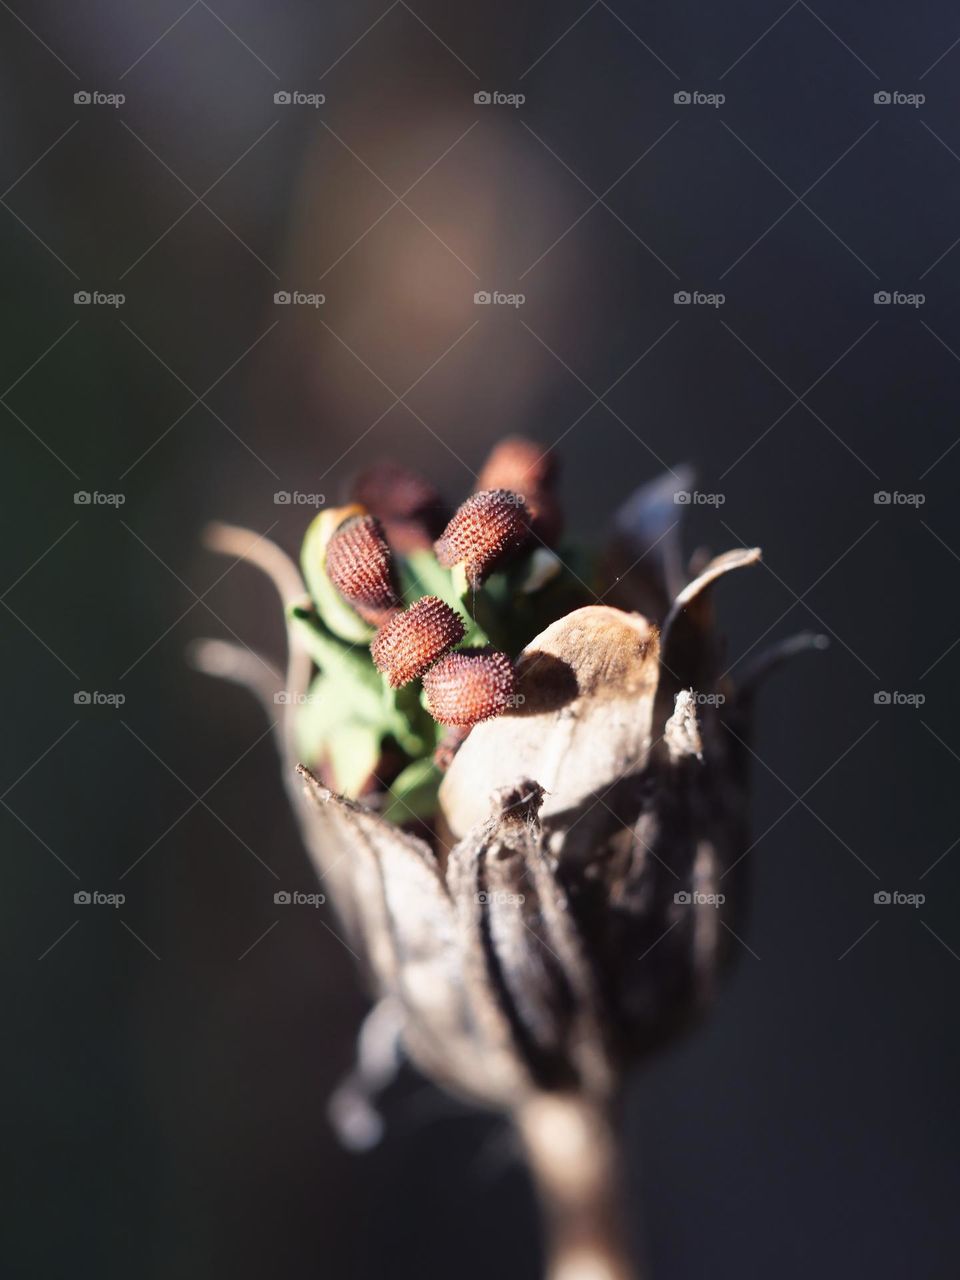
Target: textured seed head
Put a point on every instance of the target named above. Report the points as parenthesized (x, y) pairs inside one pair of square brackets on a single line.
[(412, 641), (484, 532), (519, 464), (467, 687), (359, 565), (410, 508)]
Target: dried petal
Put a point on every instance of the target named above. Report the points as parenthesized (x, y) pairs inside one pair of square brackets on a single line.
[(359, 564), (484, 532), (412, 641), (465, 688)]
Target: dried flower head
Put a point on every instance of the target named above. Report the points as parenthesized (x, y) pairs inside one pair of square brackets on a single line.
[(407, 504), (360, 566), (562, 915), (410, 642), (484, 533), (465, 688)]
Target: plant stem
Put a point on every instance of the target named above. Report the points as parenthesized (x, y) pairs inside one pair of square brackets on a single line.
[(573, 1154)]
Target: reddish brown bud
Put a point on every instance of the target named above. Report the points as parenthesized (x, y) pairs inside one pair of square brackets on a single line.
[(467, 687), (519, 464), (484, 533), (359, 565), (410, 508), (412, 641)]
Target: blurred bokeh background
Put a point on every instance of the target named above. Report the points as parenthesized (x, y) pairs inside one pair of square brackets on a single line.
[(172, 1057)]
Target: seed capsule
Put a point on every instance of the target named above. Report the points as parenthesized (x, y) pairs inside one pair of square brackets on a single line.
[(467, 687), (519, 464), (410, 642), (359, 564), (484, 532), (410, 508), (529, 469)]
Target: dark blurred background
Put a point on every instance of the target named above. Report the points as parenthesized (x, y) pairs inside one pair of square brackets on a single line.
[(172, 1057)]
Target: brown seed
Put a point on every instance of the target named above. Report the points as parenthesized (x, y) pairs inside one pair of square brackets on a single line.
[(519, 464), (359, 564), (467, 687), (484, 532), (411, 641), (410, 508)]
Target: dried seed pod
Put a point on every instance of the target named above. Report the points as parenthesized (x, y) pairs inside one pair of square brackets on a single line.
[(410, 508), (484, 532), (519, 464), (467, 687), (359, 564), (412, 641), (529, 469)]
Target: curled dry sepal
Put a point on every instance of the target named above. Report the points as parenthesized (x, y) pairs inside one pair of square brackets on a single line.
[(570, 892)]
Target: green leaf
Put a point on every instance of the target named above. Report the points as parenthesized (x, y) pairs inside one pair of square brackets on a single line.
[(414, 793), (331, 606), (354, 754)]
